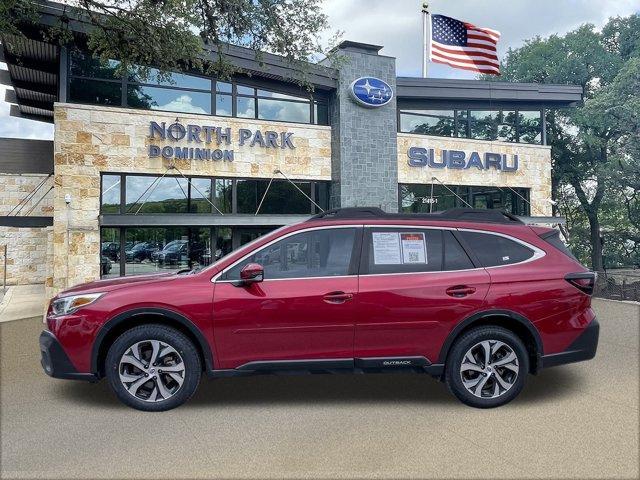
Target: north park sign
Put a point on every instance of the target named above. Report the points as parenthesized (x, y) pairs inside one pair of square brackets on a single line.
[(201, 135), (460, 160)]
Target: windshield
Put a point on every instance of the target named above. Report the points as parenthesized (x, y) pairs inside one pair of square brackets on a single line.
[(172, 247), (139, 246)]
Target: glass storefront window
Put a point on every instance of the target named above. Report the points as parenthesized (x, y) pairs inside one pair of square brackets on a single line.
[(146, 194), (281, 198), (242, 90), (152, 75), (157, 98), (83, 64), (246, 107), (152, 250), (428, 122), (281, 110), (503, 125), (200, 195), (224, 87), (92, 81), (110, 202), (529, 127), (321, 113), (95, 92), (110, 252), (199, 248), (224, 105), (149, 194), (483, 125), (418, 199), (223, 243), (506, 121), (247, 193), (222, 195), (267, 93), (321, 196), (149, 250)]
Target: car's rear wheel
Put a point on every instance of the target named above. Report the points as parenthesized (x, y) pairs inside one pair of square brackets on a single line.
[(486, 367), (153, 368)]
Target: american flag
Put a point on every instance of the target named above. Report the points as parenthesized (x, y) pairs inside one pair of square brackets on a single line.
[(463, 45)]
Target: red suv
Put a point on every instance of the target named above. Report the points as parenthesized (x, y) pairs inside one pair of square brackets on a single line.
[(475, 298)]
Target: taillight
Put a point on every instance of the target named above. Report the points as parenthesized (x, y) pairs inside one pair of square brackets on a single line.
[(583, 281)]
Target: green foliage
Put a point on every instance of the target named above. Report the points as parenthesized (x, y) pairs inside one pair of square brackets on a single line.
[(596, 146), (172, 35)]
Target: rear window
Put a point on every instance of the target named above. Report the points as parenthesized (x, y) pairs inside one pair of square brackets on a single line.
[(494, 250), (554, 239)]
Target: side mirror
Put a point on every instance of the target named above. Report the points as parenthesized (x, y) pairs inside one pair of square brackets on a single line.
[(251, 273)]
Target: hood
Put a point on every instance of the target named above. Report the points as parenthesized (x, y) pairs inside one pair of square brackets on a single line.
[(111, 284)]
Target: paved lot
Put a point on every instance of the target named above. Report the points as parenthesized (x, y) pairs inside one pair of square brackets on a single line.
[(22, 301), (578, 421)]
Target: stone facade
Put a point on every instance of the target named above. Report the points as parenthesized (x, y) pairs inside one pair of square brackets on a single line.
[(534, 169), (364, 139), (90, 139), (26, 247)]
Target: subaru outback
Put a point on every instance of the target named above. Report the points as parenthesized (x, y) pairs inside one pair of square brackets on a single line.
[(475, 298)]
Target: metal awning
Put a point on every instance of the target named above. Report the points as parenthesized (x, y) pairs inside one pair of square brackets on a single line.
[(33, 73)]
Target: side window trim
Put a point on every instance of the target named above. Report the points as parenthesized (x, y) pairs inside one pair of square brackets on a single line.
[(222, 277)]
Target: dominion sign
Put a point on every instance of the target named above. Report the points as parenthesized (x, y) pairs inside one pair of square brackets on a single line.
[(199, 136)]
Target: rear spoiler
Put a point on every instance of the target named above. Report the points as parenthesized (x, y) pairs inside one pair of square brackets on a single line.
[(543, 220)]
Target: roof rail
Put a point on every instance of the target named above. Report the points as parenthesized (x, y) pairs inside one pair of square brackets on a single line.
[(460, 214)]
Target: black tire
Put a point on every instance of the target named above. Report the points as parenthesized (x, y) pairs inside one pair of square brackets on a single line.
[(470, 339), (167, 336)]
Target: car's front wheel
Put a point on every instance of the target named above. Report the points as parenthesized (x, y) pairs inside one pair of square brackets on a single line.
[(153, 368), (486, 367)]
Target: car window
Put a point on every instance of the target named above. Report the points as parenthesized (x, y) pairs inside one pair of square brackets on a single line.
[(455, 258), (493, 250), (399, 250), (316, 253)]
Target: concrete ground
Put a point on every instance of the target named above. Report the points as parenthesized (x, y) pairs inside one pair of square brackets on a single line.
[(577, 421), (22, 301)]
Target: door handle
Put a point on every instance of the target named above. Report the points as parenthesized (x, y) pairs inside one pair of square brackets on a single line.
[(459, 291), (337, 297)]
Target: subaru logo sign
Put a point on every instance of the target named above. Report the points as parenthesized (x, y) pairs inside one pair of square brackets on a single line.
[(371, 92)]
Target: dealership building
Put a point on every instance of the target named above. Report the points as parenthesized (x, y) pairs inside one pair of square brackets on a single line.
[(149, 174)]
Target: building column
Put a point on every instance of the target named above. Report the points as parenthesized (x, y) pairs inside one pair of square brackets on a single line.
[(364, 153)]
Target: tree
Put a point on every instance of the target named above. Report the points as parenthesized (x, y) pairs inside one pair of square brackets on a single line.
[(594, 146), (172, 35)]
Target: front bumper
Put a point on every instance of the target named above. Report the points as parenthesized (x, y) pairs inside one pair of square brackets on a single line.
[(55, 361), (583, 348)]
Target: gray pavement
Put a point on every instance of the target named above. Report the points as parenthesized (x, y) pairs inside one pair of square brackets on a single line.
[(22, 301), (577, 421)]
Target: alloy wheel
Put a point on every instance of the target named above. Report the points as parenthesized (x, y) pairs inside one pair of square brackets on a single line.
[(151, 370), (489, 369)]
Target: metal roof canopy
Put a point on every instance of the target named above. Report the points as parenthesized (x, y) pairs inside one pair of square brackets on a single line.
[(468, 93), (33, 73)]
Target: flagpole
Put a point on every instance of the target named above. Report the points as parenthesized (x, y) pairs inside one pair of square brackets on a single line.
[(426, 37)]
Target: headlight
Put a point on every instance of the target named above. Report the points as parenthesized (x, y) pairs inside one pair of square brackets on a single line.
[(66, 305)]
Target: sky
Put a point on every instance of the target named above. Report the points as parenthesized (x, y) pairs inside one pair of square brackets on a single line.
[(397, 25)]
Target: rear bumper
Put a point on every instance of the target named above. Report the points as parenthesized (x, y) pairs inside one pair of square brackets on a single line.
[(55, 361), (583, 348)]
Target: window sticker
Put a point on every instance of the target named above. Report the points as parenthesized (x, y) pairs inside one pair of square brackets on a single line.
[(386, 248), (413, 248)]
